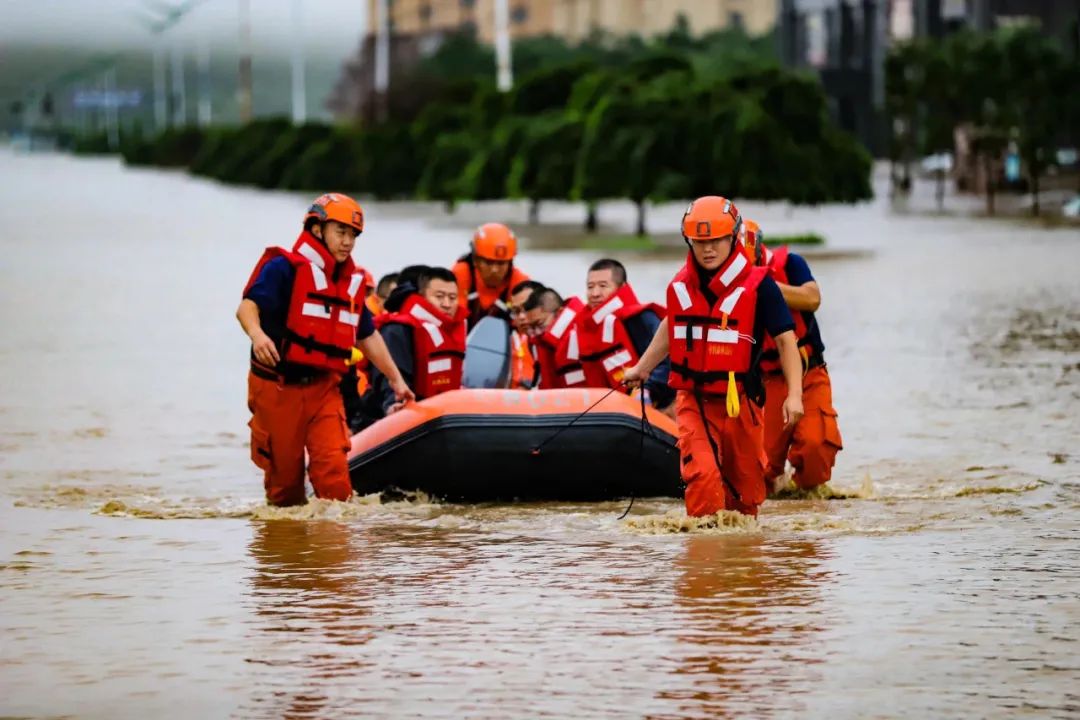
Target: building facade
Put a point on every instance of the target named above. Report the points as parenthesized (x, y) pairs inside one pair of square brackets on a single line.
[(576, 19), (418, 27)]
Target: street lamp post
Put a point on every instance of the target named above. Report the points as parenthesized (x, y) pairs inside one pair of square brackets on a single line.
[(178, 86), (161, 113), (504, 75), (112, 109), (299, 95), (382, 57), (244, 90), (205, 101)]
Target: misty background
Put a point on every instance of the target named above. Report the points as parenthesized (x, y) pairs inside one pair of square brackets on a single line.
[(42, 41)]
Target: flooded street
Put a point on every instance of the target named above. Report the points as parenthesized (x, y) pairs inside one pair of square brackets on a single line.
[(141, 574)]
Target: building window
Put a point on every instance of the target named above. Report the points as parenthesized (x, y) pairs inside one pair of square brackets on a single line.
[(519, 15), (735, 21), (425, 14), (469, 28)]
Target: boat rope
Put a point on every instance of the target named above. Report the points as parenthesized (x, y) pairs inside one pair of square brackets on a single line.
[(536, 450), (645, 425)]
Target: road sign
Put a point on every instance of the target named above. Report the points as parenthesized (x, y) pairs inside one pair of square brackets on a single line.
[(104, 99)]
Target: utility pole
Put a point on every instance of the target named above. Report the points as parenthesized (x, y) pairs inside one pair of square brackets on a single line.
[(161, 113), (112, 109), (299, 94), (244, 90), (179, 87), (382, 57), (165, 17), (205, 100), (504, 61)]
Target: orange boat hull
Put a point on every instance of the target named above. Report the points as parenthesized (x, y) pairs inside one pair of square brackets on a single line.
[(503, 445)]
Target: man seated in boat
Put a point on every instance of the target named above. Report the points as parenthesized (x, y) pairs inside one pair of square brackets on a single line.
[(615, 330), (486, 274), (522, 363), (552, 324), (386, 285), (425, 334)]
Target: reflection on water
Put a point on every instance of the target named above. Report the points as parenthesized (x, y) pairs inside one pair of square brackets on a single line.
[(748, 612), (141, 575), (309, 608)]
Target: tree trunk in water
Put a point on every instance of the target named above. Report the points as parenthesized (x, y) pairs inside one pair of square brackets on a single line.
[(451, 206), (534, 212), (940, 190), (590, 218), (988, 168), (641, 218)]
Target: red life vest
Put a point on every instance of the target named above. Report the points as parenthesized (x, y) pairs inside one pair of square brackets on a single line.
[(324, 309), (522, 362), (606, 346), (438, 344), (558, 350), (711, 345), (776, 262), (477, 298)]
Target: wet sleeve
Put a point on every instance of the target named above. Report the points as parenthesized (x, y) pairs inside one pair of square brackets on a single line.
[(641, 330), (797, 270), (772, 310), (366, 328), (399, 342), (271, 290)]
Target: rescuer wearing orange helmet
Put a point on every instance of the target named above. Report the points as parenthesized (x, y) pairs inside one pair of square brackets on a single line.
[(486, 274), (304, 311), (720, 307), (812, 444)]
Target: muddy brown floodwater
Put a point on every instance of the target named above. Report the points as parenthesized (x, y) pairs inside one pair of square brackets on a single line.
[(141, 575)]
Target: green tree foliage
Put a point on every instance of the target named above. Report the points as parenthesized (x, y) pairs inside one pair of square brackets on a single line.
[(441, 178), (1011, 86), (543, 168), (609, 118), (329, 164)]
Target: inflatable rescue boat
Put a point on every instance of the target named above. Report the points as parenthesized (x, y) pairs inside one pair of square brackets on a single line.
[(476, 445)]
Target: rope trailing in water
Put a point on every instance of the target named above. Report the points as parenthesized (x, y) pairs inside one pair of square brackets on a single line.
[(645, 425)]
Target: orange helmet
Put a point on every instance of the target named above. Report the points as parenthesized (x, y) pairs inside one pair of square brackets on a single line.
[(494, 241), (335, 206), (711, 218), (754, 241)]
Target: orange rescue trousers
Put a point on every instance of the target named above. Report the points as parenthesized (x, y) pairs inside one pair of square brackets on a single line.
[(288, 418), (810, 446), (723, 463)]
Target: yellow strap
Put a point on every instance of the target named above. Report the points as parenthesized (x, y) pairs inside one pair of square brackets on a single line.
[(357, 356), (732, 396), (723, 322)]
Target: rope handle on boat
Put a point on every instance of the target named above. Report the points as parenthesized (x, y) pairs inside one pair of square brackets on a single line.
[(536, 450)]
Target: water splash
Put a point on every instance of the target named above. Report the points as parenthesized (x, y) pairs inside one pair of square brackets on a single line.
[(968, 491), (789, 491), (676, 522)]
